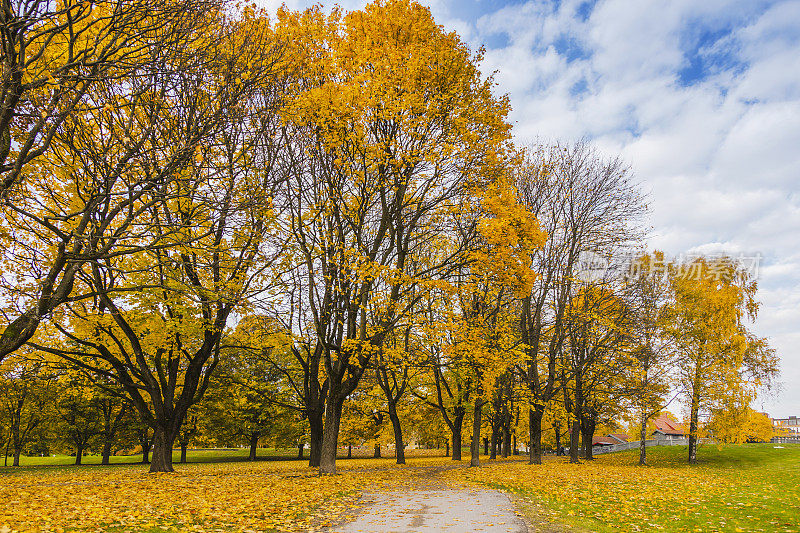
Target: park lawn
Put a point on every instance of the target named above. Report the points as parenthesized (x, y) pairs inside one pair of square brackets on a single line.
[(192, 456), (216, 496), (750, 487)]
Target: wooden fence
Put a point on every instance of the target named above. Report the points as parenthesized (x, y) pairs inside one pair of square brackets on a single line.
[(634, 445)]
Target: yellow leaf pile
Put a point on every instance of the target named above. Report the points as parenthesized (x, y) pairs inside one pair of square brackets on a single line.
[(254, 497)]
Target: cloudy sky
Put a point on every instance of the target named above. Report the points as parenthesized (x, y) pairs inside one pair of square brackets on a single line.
[(701, 98)]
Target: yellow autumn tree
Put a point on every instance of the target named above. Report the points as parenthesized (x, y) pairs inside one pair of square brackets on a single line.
[(393, 129), (720, 360)]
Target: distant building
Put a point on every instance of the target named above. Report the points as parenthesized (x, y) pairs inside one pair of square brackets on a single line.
[(620, 438), (787, 428), (603, 441), (668, 429)]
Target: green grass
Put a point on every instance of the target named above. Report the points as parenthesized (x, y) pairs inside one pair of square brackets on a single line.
[(750, 487), (192, 456)]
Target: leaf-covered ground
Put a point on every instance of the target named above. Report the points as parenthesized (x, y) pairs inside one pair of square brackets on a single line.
[(261, 496), (734, 488)]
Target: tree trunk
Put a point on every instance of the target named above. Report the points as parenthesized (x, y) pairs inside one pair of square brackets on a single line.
[(557, 431), (447, 448), (330, 436), (475, 448), (349, 451), (253, 446), (184, 446), (535, 415), (506, 440), (399, 449), (693, 428), (376, 454), (642, 443), (162, 451), (485, 445), (574, 441), (79, 454), (587, 435), (516, 450), (144, 441), (300, 450), (17, 453), (493, 454), (106, 451), (458, 422), (316, 427)]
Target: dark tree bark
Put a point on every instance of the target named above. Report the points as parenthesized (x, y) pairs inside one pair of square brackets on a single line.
[(399, 447), (587, 434), (557, 432), (330, 434), (316, 427), (349, 451), (145, 443), (253, 445), (535, 415), (163, 440), (475, 447), (458, 423), (574, 442), (300, 450)]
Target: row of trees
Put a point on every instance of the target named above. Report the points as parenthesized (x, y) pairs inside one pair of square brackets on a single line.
[(324, 206)]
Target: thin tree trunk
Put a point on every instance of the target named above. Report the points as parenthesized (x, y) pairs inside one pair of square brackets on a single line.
[(506, 440), (557, 431), (535, 415), (587, 435), (694, 415), (162, 451), (106, 451), (79, 454), (184, 446), (642, 443), (145, 443), (253, 446), (458, 422), (447, 448), (17, 453), (330, 436), (574, 442), (400, 453), (493, 455), (376, 454), (475, 448), (300, 450), (349, 451)]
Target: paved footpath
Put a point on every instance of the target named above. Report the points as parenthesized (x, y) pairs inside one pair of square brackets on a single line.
[(446, 510)]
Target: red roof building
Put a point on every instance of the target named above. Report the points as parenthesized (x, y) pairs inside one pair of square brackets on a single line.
[(620, 438), (668, 428)]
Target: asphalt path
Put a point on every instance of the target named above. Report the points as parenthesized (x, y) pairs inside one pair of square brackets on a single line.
[(446, 510)]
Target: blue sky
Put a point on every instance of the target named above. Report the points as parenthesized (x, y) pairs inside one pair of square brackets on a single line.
[(701, 98)]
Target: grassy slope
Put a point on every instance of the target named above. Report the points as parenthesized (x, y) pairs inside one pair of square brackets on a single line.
[(752, 487)]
